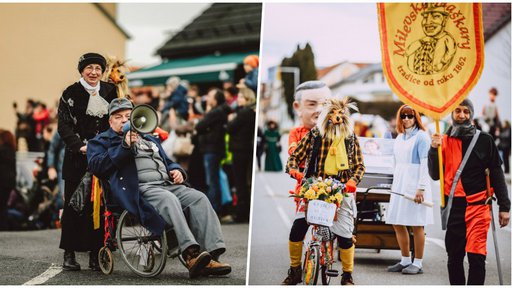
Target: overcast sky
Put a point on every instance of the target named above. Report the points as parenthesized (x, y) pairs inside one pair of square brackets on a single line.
[(336, 31), (151, 25)]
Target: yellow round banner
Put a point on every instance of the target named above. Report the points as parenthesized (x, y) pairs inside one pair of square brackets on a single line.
[(432, 53)]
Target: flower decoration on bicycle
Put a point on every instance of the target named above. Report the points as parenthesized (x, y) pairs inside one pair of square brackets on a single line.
[(323, 197), (329, 190)]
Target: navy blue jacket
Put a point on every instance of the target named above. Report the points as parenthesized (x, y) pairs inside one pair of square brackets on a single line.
[(251, 80), (108, 159)]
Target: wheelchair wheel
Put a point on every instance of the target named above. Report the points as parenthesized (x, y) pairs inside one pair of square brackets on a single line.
[(137, 246), (106, 260), (311, 266)]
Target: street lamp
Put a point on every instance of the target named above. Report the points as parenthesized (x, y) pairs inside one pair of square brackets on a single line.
[(294, 70)]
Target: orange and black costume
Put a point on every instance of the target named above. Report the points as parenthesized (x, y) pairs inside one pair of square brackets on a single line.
[(296, 134), (469, 218)]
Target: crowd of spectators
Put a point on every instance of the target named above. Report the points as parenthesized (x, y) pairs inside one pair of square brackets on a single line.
[(209, 132)]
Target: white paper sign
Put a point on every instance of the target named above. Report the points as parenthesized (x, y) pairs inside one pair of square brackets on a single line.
[(321, 212), (377, 154)]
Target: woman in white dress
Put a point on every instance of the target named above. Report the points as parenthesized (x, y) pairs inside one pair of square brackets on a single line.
[(410, 177)]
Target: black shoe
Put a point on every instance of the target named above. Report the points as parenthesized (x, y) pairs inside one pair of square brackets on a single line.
[(70, 263), (94, 264), (346, 279), (294, 276)]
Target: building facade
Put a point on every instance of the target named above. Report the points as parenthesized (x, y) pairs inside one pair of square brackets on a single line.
[(41, 44)]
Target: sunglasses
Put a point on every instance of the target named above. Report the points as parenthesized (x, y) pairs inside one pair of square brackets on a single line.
[(409, 116)]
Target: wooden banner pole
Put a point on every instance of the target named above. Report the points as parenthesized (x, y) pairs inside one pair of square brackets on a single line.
[(441, 171)]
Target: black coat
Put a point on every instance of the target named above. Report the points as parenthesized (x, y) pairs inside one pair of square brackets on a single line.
[(8, 168), (76, 127), (241, 130), (212, 132)]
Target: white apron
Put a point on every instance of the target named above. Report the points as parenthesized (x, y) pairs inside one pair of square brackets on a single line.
[(407, 178)]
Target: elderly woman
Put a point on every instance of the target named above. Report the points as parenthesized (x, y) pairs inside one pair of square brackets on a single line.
[(411, 178), (241, 143), (82, 114)]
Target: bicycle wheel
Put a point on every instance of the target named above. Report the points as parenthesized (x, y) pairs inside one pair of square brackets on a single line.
[(137, 246), (311, 265)]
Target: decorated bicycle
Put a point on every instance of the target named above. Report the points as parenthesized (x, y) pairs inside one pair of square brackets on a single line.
[(331, 151), (322, 199)]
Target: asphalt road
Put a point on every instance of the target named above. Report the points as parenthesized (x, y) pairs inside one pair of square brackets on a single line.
[(26, 255), (274, 213)]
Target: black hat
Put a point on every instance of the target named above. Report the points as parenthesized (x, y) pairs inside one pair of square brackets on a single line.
[(91, 58)]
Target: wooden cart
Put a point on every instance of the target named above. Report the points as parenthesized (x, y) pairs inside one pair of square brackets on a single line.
[(370, 229)]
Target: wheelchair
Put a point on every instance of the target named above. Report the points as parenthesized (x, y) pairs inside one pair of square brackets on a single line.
[(143, 252)]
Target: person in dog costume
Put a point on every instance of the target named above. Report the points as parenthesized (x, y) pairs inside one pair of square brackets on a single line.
[(331, 149)]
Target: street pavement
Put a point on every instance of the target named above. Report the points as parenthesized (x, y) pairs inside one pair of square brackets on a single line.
[(273, 214), (28, 254)]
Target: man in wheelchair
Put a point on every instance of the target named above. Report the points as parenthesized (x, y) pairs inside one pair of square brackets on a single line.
[(152, 187)]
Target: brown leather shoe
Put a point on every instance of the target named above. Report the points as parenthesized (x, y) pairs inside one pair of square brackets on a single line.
[(294, 276), (196, 263), (216, 268)]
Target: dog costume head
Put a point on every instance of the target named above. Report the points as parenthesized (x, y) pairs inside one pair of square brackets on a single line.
[(115, 73), (334, 119)]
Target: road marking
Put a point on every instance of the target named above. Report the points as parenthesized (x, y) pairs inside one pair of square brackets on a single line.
[(436, 241), (286, 220), (45, 276), (269, 191)]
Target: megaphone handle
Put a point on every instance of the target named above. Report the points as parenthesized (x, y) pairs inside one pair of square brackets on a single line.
[(127, 138)]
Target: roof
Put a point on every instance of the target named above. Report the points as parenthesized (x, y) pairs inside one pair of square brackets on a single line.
[(209, 68), (223, 27), (365, 71), (495, 16), (111, 19), (321, 72)]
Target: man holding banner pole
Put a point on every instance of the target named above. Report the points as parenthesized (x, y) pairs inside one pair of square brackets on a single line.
[(469, 214), (432, 56)]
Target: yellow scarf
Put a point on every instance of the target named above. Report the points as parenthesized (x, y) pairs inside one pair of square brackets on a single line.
[(337, 159)]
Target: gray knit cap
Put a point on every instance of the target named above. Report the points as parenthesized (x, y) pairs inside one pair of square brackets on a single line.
[(466, 102)]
